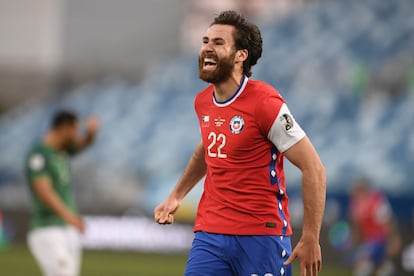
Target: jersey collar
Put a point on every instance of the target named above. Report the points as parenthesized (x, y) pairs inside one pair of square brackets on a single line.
[(235, 95)]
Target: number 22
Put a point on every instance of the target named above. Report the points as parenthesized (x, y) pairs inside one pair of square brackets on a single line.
[(220, 138)]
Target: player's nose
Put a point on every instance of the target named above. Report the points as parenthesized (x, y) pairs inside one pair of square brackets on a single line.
[(206, 48)]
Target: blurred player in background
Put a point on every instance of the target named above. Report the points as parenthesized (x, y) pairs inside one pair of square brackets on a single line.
[(242, 225), (373, 231), (55, 227)]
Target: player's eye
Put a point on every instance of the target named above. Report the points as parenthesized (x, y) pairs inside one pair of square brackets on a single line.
[(218, 42)]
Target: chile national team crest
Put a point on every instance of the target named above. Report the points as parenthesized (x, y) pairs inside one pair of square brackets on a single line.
[(236, 124)]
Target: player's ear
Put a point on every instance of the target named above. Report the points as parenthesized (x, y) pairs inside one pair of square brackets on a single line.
[(241, 55)]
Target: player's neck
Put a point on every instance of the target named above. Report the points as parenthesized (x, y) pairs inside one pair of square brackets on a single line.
[(52, 140), (225, 90)]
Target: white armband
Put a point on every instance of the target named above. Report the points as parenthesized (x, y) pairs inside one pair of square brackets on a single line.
[(285, 131)]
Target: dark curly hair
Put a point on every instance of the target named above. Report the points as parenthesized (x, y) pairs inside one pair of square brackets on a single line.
[(246, 36), (63, 117)]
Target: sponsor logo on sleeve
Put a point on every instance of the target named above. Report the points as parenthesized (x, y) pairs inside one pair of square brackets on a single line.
[(287, 121)]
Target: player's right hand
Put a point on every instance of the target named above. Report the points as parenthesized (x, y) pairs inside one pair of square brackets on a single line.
[(308, 251), (92, 124), (164, 213), (77, 223)]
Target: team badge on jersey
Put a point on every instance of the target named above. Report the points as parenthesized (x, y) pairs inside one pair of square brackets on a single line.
[(37, 162), (236, 124)]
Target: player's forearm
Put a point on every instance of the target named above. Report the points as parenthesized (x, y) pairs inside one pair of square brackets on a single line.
[(314, 193), (85, 140), (53, 202), (194, 171), (92, 126)]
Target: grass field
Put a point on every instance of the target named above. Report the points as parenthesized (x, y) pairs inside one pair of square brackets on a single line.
[(17, 261)]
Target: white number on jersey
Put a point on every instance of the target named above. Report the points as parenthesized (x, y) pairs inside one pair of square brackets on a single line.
[(221, 140)]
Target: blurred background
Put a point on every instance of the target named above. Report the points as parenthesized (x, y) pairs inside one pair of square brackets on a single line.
[(345, 68)]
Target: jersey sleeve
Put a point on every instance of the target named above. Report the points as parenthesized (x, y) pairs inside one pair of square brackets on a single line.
[(37, 166), (382, 210), (277, 122)]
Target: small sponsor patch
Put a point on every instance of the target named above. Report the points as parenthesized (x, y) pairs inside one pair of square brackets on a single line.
[(236, 124), (37, 162), (205, 121), (287, 121), (219, 121), (270, 225)]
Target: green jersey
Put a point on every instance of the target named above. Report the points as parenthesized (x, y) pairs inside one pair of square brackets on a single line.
[(45, 162)]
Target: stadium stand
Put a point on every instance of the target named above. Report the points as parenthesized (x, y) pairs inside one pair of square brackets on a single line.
[(323, 60)]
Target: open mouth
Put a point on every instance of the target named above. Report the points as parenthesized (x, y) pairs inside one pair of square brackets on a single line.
[(209, 64)]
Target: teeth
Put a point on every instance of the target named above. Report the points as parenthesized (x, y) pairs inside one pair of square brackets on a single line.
[(209, 61)]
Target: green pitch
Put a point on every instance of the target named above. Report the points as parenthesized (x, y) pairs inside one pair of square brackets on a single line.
[(17, 261)]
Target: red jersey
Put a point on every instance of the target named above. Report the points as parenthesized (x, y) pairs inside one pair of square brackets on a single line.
[(244, 140), (372, 214)]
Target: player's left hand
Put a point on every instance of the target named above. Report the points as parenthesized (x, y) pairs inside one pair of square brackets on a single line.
[(308, 251)]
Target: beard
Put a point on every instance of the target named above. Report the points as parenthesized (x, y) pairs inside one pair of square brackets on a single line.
[(222, 72), (69, 146)]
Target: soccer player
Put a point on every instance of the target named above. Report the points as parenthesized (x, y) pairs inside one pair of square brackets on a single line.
[(373, 230), (242, 225), (55, 227)]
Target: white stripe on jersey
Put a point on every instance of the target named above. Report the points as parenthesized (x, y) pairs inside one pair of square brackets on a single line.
[(285, 131)]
